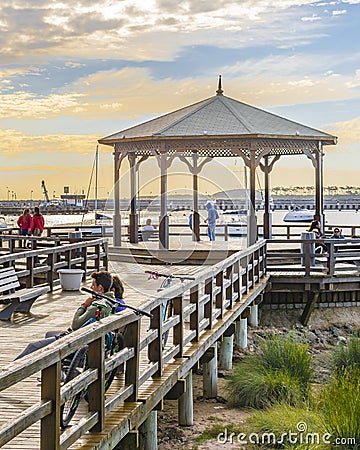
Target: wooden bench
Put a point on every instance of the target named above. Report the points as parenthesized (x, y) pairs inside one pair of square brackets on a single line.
[(16, 300), (148, 235)]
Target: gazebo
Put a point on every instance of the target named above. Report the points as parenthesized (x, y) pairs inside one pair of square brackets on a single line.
[(218, 126)]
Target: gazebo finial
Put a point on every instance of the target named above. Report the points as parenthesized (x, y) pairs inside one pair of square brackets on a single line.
[(219, 90)]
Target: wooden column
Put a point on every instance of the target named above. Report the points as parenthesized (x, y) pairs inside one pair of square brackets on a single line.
[(252, 229), (241, 333), (226, 352), (164, 218), (210, 375), (118, 157), (196, 217), (267, 168), (133, 217), (185, 404), (267, 212), (254, 316), (148, 432), (319, 186)]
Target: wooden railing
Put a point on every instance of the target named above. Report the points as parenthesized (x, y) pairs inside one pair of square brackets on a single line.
[(328, 256), (40, 264), (203, 310), (282, 231)]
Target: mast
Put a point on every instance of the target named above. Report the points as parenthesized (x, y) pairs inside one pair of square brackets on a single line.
[(96, 177)]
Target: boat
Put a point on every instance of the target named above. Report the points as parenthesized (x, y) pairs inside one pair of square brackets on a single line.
[(297, 214), (3, 224), (101, 216), (235, 212)]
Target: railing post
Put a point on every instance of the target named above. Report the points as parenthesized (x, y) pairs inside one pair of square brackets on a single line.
[(229, 289), (219, 297), (156, 346), (132, 339), (178, 338), (50, 273), (50, 424), (208, 307), (195, 316), (96, 392), (30, 262)]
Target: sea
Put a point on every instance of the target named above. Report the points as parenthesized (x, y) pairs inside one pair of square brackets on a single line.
[(332, 218)]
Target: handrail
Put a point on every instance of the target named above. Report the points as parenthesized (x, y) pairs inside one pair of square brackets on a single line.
[(89, 255), (222, 292), (300, 255)]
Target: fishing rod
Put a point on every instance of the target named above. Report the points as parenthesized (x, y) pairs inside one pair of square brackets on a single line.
[(155, 275), (98, 295)]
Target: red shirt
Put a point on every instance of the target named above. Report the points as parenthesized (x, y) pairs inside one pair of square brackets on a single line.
[(37, 222), (24, 222)]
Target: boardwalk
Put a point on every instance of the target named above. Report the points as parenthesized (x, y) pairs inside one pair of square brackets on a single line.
[(216, 298), (54, 311)]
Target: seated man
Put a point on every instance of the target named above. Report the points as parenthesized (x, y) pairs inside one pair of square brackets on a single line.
[(337, 234), (147, 230)]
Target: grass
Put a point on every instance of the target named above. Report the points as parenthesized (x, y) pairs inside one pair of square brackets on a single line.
[(282, 419), (280, 374), (218, 429), (347, 356), (340, 406)]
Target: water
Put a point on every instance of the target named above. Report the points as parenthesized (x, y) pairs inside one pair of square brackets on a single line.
[(333, 218)]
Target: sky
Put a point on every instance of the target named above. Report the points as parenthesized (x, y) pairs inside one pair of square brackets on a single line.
[(74, 71)]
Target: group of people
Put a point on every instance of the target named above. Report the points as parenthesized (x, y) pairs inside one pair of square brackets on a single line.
[(31, 225), (103, 282), (315, 227), (212, 216)]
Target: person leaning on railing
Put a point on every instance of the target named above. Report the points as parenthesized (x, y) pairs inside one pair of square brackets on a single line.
[(102, 283)]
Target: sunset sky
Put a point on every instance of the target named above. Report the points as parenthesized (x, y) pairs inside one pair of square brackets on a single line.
[(75, 71)]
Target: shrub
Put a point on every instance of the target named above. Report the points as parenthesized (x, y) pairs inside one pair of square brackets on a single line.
[(340, 405), (283, 352), (281, 373), (347, 356), (255, 386)]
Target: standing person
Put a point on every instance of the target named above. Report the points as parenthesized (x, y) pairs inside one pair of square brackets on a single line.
[(37, 222), (24, 223), (211, 220)]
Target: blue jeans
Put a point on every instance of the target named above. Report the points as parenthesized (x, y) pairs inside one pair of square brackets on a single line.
[(211, 232)]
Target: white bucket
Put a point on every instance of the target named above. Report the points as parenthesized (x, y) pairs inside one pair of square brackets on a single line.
[(70, 279)]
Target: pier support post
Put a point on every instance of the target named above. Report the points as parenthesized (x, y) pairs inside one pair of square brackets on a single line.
[(185, 404), (148, 433), (241, 333), (254, 316), (226, 352), (210, 375)]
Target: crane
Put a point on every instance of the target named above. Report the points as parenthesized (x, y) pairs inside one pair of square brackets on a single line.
[(45, 191)]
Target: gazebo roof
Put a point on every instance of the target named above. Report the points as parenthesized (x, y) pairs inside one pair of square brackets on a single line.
[(218, 116)]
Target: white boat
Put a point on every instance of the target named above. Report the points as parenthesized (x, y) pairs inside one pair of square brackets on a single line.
[(3, 224), (297, 214)]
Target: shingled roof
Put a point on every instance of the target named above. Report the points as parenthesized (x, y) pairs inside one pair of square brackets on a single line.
[(218, 116)]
